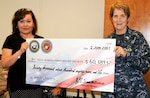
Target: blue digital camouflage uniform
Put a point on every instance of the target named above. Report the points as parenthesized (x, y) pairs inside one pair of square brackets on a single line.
[(129, 80)]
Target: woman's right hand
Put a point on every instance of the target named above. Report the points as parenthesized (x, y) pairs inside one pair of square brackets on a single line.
[(24, 47), (120, 52), (8, 59)]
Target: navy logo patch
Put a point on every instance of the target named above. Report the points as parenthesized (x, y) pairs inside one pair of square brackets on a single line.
[(34, 46)]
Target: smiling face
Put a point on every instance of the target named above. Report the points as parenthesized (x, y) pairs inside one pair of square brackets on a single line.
[(120, 21), (26, 24)]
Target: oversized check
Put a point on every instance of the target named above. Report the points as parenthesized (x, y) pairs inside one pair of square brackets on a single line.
[(71, 63)]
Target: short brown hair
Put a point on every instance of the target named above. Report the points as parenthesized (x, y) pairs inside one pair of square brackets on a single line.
[(120, 5)]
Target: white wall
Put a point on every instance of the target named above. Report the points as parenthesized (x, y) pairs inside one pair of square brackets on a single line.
[(57, 18)]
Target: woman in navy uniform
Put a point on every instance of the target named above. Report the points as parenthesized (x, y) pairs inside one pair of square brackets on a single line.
[(132, 57)]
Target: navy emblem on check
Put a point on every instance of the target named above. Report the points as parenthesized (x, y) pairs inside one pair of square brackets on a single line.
[(46, 46), (34, 46)]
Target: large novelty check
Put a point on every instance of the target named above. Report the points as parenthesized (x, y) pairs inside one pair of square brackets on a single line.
[(71, 63)]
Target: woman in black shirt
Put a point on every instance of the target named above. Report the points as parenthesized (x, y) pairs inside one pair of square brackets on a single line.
[(14, 56)]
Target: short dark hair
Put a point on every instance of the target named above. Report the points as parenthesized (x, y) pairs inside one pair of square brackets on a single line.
[(20, 14)]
